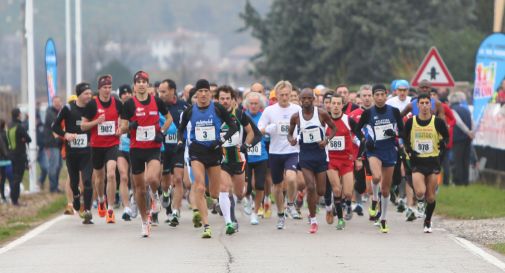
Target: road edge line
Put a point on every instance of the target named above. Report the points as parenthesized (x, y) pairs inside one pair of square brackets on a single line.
[(479, 252), (31, 234)]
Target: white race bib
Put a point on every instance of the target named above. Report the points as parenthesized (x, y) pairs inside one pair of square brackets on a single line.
[(80, 141), (205, 133), (312, 135), (255, 150), (107, 128), (145, 133), (171, 139), (380, 131), (283, 128), (233, 141), (423, 146), (337, 143)]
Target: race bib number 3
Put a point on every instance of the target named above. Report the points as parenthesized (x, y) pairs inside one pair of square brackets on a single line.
[(81, 141), (312, 135), (107, 128), (233, 141), (423, 146), (205, 133), (145, 133), (283, 128), (255, 150), (171, 139), (336, 143), (380, 131)]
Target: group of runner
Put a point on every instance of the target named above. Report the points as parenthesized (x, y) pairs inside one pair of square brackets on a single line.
[(218, 151)]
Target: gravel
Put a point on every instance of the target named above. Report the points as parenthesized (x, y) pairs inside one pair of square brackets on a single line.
[(485, 231)]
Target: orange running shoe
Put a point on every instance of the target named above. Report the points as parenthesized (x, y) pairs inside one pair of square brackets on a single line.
[(101, 209), (110, 219)]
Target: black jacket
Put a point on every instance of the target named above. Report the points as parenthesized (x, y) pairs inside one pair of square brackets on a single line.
[(50, 140)]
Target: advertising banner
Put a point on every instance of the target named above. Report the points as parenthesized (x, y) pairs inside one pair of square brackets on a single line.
[(51, 70)]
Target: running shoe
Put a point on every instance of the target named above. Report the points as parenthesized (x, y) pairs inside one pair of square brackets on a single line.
[(268, 211), (348, 214), (88, 218), (247, 206), (154, 219), (261, 212), (421, 206), (340, 224), (175, 219), (146, 230), (372, 213), (313, 228), (155, 204), (254, 219), (281, 223), (427, 227), (117, 202), (110, 219), (329, 216), (134, 211), (210, 202), (81, 212), (359, 210), (384, 227), (126, 216), (235, 226), (165, 200), (95, 204), (299, 200), (230, 228), (293, 213), (401, 205), (410, 215), (207, 232), (77, 203), (197, 219), (69, 210), (101, 209)]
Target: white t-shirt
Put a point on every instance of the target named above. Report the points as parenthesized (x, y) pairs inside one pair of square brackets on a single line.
[(275, 120), (396, 102)]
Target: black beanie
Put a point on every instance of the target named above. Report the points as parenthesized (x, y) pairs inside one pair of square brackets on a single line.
[(378, 87), (81, 87), (202, 84), (125, 88)]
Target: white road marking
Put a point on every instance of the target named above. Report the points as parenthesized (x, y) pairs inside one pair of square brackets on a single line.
[(479, 252)]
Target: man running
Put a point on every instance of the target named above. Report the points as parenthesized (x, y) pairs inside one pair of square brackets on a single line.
[(141, 119), (349, 106), (205, 151), (102, 117), (78, 149), (383, 124), (311, 122), (426, 137), (283, 157)]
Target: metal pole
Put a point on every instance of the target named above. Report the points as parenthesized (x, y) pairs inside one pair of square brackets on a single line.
[(68, 40), (78, 52), (498, 15), (32, 155)]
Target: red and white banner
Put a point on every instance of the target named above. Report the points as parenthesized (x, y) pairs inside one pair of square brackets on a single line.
[(491, 132)]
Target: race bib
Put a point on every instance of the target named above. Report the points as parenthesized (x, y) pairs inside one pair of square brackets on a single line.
[(423, 146), (205, 133), (145, 133), (80, 141), (380, 131), (312, 135), (283, 128), (337, 143), (233, 141), (107, 128), (171, 139), (255, 150)]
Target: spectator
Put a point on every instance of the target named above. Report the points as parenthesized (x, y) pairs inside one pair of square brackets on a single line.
[(500, 97), (17, 138), (462, 140), (5, 163), (41, 155), (53, 145)]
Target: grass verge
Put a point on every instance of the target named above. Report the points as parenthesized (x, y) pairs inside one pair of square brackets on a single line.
[(19, 225), (475, 201), (500, 248)]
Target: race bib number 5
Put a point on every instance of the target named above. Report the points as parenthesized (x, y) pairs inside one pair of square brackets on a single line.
[(205, 133), (145, 133), (312, 135), (337, 143), (107, 128)]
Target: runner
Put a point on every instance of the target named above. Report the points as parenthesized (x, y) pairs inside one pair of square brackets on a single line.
[(173, 159), (275, 122), (77, 148), (311, 122), (426, 137), (342, 159), (234, 150), (343, 91), (101, 116), (141, 119), (383, 124), (205, 152)]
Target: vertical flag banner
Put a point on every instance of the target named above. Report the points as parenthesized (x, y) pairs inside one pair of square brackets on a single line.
[(51, 70), (489, 72)]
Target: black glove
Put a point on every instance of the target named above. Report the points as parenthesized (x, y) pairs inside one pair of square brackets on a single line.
[(216, 144), (243, 148), (159, 137), (179, 147), (370, 145), (133, 125), (414, 154), (390, 133)]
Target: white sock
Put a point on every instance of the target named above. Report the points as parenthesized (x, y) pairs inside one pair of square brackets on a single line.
[(375, 190), (328, 208), (384, 207), (313, 220), (225, 204), (100, 199)]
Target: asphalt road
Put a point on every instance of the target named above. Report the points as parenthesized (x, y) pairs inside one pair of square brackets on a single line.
[(65, 245)]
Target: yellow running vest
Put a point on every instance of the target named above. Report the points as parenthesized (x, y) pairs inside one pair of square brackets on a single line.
[(424, 139)]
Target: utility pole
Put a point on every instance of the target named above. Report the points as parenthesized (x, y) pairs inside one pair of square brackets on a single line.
[(498, 15), (78, 44), (68, 41)]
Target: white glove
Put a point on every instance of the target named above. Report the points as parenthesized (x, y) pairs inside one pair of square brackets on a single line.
[(270, 128)]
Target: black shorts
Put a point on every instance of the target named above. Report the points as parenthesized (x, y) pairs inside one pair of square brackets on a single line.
[(279, 163), (100, 156), (426, 166), (207, 156), (125, 155), (260, 173), (233, 168), (172, 160), (140, 157)]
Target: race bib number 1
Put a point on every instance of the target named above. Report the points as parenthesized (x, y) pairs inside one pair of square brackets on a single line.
[(107, 128), (205, 133), (145, 133), (337, 143)]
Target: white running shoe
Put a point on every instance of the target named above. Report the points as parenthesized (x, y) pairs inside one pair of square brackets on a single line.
[(293, 213), (246, 204), (146, 230), (427, 227), (254, 219), (134, 211)]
